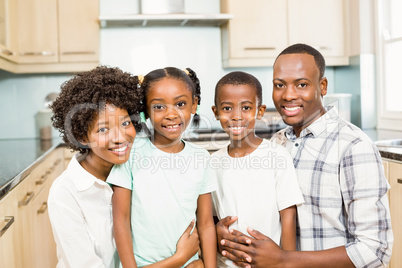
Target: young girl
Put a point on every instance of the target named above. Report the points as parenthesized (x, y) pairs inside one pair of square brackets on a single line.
[(166, 181), (96, 113), (256, 179)]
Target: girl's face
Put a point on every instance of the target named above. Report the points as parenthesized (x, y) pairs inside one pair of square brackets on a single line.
[(110, 137), (237, 109), (169, 105)]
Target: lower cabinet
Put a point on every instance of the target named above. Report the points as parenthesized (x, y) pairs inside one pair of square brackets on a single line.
[(393, 171), (26, 235)]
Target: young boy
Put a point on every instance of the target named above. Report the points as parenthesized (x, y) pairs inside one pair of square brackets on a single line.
[(256, 178)]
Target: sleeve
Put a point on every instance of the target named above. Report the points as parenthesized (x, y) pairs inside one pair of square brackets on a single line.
[(364, 188), (121, 175), (75, 247), (288, 191), (209, 182)]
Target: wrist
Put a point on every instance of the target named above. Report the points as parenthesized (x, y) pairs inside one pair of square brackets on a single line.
[(178, 259)]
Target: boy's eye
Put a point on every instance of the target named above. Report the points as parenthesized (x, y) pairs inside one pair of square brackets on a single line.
[(158, 106), (246, 108), (181, 104), (226, 108), (126, 123)]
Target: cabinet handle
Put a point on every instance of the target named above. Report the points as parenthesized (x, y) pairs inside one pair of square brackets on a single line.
[(399, 181), (259, 48), (7, 52), (30, 195), (9, 221), (43, 208), (78, 52), (42, 179), (41, 53)]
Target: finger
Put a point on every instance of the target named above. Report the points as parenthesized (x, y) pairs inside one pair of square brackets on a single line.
[(242, 264), (190, 227), (240, 237), (257, 235), (231, 245), (195, 232), (236, 255), (227, 221)]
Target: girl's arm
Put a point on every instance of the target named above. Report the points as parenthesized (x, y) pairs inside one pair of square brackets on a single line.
[(187, 246), (121, 201), (288, 221), (206, 230)]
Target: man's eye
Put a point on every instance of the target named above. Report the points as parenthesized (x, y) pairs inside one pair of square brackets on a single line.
[(302, 85), (126, 123), (279, 85)]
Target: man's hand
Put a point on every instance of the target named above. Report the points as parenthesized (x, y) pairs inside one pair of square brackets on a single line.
[(259, 251)]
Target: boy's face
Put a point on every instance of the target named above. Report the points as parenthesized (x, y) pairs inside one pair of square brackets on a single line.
[(298, 90), (237, 109), (111, 136)]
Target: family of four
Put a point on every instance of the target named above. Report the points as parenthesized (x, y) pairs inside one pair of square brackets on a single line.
[(315, 195)]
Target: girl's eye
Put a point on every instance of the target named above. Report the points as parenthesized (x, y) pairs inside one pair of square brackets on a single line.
[(246, 108), (158, 107), (102, 130), (181, 104), (126, 123)]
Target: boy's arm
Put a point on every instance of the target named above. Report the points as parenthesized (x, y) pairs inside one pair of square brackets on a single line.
[(122, 225), (288, 221), (206, 230)]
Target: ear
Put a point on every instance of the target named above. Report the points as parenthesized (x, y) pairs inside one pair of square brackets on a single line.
[(194, 105), (215, 111), (261, 111), (323, 86)]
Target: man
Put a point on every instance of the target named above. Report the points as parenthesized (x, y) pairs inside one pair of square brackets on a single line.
[(345, 221)]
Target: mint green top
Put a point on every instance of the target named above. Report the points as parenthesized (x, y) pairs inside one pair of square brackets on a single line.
[(165, 188)]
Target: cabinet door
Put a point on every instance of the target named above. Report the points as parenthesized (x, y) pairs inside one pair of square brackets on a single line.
[(395, 175), (5, 50), (79, 30), (36, 31), (8, 232), (258, 29), (319, 23)]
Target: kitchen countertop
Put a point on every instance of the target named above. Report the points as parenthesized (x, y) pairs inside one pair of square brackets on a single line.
[(19, 156)]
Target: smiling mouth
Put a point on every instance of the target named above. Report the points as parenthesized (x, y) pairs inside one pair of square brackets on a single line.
[(292, 109), (172, 127), (120, 149)]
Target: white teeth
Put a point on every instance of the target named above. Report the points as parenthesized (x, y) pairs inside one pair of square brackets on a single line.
[(174, 126), (292, 108), (122, 149), (236, 128)]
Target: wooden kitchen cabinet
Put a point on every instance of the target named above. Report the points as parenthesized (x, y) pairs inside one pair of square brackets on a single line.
[(395, 179), (29, 241), (261, 29), (47, 36)]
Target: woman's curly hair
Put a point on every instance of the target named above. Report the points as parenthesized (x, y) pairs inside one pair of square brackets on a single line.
[(85, 95)]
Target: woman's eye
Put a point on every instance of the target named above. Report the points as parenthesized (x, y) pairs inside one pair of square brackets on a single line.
[(181, 104), (102, 130), (126, 123), (158, 107)]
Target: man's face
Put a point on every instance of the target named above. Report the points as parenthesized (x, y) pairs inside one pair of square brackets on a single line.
[(297, 90)]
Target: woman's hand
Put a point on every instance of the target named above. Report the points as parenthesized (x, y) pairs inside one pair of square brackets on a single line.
[(188, 244)]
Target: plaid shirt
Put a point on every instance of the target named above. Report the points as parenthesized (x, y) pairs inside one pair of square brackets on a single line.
[(342, 180)]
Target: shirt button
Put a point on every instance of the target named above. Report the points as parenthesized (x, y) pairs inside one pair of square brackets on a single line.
[(296, 144)]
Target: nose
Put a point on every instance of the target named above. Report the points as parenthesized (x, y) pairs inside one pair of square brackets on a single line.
[(171, 112), (119, 135), (290, 93), (236, 116)]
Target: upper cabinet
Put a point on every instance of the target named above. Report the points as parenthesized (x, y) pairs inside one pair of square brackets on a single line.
[(45, 36), (261, 29)]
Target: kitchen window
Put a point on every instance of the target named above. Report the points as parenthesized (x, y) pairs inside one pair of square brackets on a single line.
[(389, 51)]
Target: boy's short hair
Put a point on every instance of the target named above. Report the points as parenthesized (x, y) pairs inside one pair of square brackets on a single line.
[(306, 49), (238, 78), (85, 95)]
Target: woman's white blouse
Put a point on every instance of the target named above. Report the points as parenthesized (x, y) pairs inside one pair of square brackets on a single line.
[(80, 211)]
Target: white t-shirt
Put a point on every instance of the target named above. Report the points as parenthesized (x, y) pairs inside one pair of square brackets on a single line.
[(165, 188), (255, 188), (80, 211)]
